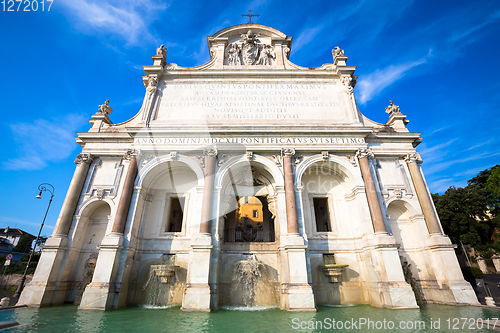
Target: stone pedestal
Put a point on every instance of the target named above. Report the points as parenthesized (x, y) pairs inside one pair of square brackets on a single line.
[(451, 288), (101, 292), (496, 262), (197, 294), (40, 291), (391, 289), (482, 265), (490, 301), (297, 293)]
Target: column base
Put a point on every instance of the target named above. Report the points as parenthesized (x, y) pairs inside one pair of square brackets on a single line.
[(37, 294), (298, 297), (393, 295), (98, 296), (196, 298), (41, 290)]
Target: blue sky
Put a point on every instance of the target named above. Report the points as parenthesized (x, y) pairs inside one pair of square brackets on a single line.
[(438, 60)]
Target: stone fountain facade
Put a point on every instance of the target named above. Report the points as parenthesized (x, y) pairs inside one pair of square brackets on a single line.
[(249, 154)]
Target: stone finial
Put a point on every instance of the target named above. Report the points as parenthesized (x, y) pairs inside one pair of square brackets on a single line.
[(83, 158), (392, 109), (104, 109)]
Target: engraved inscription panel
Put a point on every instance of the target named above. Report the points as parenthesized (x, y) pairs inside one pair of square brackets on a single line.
[(250, 103)]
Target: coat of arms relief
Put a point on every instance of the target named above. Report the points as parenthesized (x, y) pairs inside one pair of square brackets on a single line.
[(250, 51)]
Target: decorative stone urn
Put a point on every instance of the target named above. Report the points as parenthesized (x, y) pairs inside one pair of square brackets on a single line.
[(333, 272), (165, 272)]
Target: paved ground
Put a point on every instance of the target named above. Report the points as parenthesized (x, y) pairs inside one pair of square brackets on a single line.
[(489, 286)]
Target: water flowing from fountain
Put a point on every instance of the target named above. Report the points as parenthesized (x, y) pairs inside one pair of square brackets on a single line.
[(249, 277), (161, 285)]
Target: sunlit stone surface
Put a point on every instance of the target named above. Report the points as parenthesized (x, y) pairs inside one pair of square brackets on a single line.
[(249, 174)]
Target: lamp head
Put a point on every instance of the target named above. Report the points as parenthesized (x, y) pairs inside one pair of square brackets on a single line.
[(39, 196)]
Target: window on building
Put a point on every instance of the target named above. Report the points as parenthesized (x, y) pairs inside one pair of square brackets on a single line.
[(322, 214), (175, 216), (255, 213)]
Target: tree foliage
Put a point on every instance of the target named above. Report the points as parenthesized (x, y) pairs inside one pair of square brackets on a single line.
[(471, 214), (24, 244)]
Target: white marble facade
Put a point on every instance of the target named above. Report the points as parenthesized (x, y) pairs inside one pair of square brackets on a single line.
[(249, 123)]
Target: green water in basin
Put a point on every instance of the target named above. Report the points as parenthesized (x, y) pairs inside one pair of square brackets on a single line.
[(137, 319)]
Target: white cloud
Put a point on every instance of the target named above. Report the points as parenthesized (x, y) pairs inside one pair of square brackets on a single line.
[(128, 19), (14, 222), (373, 83), (305, 37), (43, 141)]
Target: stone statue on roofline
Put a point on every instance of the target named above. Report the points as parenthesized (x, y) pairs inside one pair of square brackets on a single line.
[(337, 52), (392, 109), (161, 51), (104, 109)]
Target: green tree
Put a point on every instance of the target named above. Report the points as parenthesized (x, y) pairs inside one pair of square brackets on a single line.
[(24, 244), (472, 213)]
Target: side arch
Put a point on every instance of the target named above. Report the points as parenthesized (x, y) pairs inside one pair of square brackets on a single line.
[(345, 167), (145, 172)]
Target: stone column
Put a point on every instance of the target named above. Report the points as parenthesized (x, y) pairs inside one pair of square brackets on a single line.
[(291, 204), (126, 196), (413, 160), (371, 192), (75, 189), (208, 192), (43, 290)]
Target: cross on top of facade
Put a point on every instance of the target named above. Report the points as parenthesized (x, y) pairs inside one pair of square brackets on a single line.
[(250, 15)]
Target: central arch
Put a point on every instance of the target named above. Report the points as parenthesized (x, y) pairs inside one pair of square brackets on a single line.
[(247, 203)]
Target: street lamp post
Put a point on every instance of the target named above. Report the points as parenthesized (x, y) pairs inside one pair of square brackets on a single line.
[(42, 188)]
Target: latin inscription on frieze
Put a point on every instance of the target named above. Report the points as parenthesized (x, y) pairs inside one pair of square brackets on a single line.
[(243, 102), (251, 141)]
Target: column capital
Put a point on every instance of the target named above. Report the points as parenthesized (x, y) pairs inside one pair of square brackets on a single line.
[(413, 158), (84, 158), (364, 152), (129, 154), (210, 152), (287, 152)]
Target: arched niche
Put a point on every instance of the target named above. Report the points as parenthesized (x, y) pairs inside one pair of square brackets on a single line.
[(92, 224), (171, 187), (244, 186), (324, 186), (403, 228)]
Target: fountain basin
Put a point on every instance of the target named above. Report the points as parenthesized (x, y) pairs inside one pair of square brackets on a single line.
[(165, 272), (333, 271)]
